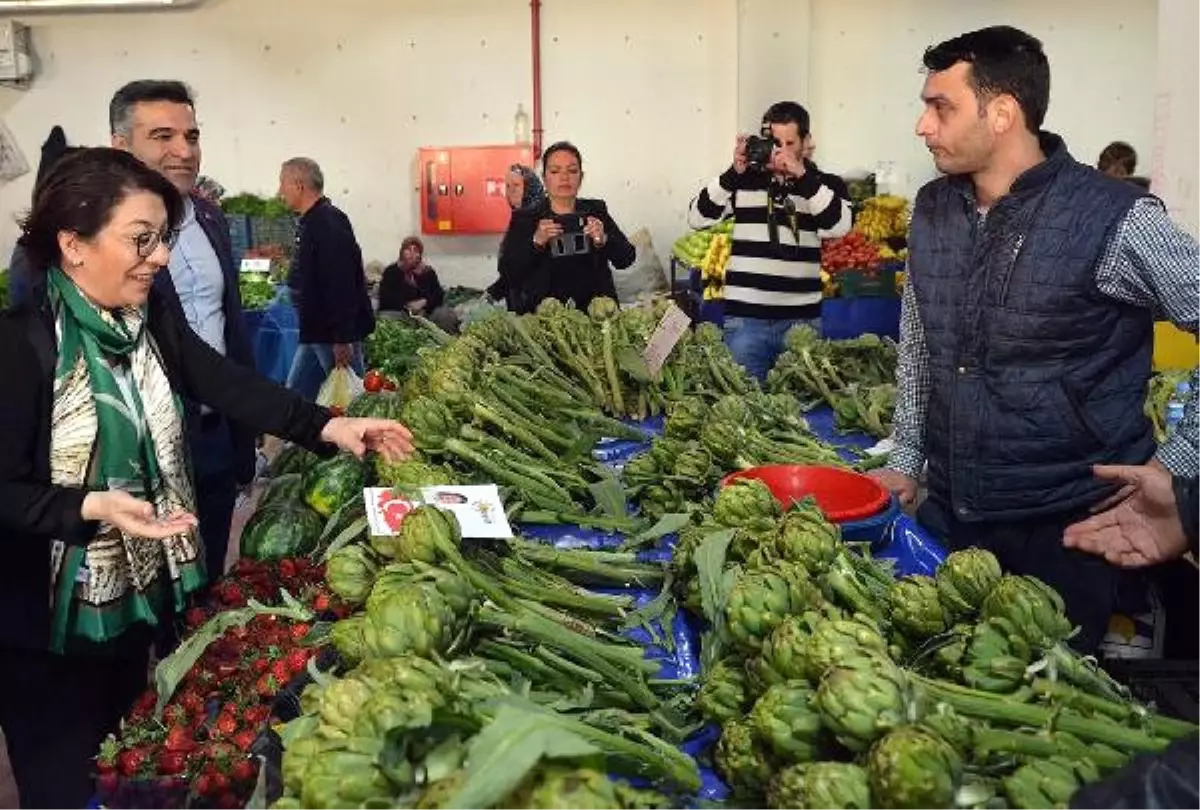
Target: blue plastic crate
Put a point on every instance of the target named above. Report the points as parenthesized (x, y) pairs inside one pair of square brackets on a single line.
[(845, 318)]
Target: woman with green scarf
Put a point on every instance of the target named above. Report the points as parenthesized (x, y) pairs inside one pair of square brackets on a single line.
[(99, 541)]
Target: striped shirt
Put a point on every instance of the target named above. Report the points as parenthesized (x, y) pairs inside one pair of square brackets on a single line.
[(1149, 263), (773, 279)]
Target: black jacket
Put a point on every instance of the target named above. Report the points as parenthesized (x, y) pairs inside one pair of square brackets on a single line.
[(328, 283), (533, 274), (397, 291), (33, 512)]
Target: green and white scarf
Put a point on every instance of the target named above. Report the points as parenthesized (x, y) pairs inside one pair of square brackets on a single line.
[(116, 424)]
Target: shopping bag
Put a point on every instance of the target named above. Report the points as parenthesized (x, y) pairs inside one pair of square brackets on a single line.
[(340, 388)]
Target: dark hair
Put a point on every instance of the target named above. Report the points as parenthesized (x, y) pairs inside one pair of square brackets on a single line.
[(788, 112), (1118, 153), (415, 241), (79, 195), (1004, 60), (561, 146), (120, 109)]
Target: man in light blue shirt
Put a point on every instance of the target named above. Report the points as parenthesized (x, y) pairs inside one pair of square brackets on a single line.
[(156, 121)]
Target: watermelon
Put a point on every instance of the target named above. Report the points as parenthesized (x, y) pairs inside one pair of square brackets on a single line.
[(331, 484), (287, 488), (285, 530), (292, 459), (380, 405)]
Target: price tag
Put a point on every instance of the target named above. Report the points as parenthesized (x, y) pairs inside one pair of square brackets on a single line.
[(479, 510), (256, 266), (668, 332)]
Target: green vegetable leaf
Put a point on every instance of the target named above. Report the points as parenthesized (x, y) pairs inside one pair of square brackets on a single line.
[(630, 361), (710, 565), (347, 536), (609, 494), (669, 523), (507, 749)]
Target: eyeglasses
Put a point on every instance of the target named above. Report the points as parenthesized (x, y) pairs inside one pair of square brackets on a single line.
[(147, 242)]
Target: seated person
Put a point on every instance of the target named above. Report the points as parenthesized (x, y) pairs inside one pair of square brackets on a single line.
[(563, 247), (1119, 160), (411, 287)]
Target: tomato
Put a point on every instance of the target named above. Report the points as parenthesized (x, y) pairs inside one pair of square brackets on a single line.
[(373, 382)]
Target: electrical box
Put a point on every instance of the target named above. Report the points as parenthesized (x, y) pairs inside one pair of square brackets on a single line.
[(16, 55), (462, 187)]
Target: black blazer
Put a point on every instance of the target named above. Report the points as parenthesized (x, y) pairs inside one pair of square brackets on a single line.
[(237, 342), (328, 283), (532, 274), (32, 510)]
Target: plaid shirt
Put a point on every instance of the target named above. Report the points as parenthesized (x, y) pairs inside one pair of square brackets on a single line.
[(1150, 263)]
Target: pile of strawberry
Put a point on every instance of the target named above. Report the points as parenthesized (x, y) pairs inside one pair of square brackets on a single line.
[(198, 753), (850, 252)]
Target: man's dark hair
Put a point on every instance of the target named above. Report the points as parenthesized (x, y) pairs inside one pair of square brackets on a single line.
[(561, 146), (1003, 60), (120, 109), (788, 112), (79, 195), (1118, 153)]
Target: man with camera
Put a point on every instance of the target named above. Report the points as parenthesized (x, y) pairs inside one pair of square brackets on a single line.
[(782, 207)]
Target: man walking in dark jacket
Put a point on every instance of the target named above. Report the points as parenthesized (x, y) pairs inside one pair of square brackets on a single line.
[(156, 122), (1028, 324), (328, 282)]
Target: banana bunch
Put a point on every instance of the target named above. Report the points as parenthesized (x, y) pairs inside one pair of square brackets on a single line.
[(712, 266), (883, 217), (888, 254)]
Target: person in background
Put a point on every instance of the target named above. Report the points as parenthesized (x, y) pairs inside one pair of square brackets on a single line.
[(1027, 325), (328, 282), (525, 192), (1118, 160), (97, 511), (156, 122), (782, 210), (835, 182), (562, 247), (54, 149), (209, 189), (411, 286)]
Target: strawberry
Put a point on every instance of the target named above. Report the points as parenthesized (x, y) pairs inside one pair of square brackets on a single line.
[(266, 686), (321, 602), (171, 762), (196, 617), (227, 725), (244, 739), (106, 760), (259, 665), (191, 702), (287, 568), (243, 771), (297, 660), (220, 782), (180, 739), (203, 785), (281, 671), (240, 632), (257, 715), (131, 762), (300, 630)]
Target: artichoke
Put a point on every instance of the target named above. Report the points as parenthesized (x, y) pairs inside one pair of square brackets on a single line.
[(806, 537), (391, 709), (685, 419), (411, 474), (915, 607), (296, 756), (852, 588), (347, 638), (405, 674), (350, 572), (759, 600), (820, 785), (833, 641), (862, 699), (343, 778), (996, 657), (665, 451), (784, 719), (641, 470), (415, 621), (695, 465), (1048, 782), (746, 503), (964, 580), (437, 795), (341, 700), (783, 652), (722, 696), (1034, 610), (742, 760), (911, 768), (563, 786), (424, 533), (459, 595)]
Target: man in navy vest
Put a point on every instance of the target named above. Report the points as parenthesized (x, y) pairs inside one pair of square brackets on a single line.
[(156, 122), (1027, 329)]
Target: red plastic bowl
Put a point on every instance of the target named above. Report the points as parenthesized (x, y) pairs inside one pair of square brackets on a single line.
[(841, 494)]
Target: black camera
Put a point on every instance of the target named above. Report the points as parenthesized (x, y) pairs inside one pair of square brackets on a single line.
[(571, 223), (759, 149), (572, 241)]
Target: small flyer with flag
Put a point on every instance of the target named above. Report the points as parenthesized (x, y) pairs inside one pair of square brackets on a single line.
[(479, 511)]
